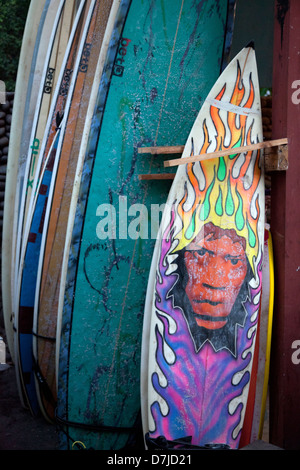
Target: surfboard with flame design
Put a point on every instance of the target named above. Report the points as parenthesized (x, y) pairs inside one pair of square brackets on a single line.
[(203, 298)]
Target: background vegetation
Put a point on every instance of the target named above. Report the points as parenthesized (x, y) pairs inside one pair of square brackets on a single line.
[(13, 15)]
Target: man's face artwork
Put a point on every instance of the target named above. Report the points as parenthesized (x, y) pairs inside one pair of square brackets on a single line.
[(216, 266)]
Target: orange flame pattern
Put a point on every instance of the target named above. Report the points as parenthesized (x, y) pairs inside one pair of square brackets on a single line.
[(228, 197)]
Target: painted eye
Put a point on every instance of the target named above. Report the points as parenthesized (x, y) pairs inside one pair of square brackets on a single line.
[(201, 252), (234, 261)]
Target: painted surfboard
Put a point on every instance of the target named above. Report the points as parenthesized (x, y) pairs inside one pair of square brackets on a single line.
[(46, 166), (56, 216), (30, 43), (203, 298), (160, 65)]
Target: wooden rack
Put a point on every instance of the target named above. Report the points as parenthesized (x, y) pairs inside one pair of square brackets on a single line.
[(275, 155)]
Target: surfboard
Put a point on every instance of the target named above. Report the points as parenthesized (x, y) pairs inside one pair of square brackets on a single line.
[(83, 146), (145, 86), (30, 42), (51, 63), (271, 289), (30, 249), (52, 243), (256, 405), (265, 335), (57, 37), (203, 298)]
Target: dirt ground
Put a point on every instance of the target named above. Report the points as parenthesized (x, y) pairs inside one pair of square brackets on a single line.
[(19, 430)]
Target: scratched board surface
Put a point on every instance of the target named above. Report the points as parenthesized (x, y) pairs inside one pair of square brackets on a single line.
[(162, 61)]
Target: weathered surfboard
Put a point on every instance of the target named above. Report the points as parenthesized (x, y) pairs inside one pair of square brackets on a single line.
[(50, 66), (56, 216), (82, 151), (38, 152), (27, 62), (160, 65), (203, 299), (30, 249)]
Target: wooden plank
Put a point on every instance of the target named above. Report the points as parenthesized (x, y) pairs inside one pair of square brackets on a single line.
[(157, 176), (162, 150), (222, 153), (276, 159)]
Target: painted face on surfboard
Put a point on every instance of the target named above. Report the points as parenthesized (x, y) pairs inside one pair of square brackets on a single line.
[(213, 275), (216, 269)]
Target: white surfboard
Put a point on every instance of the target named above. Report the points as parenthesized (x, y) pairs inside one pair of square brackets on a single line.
[(30, 43)]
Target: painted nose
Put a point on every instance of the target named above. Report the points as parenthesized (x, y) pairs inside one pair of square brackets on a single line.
[(217, 273)]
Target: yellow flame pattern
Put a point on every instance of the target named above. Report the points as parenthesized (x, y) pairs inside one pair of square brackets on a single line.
[(229, 198)]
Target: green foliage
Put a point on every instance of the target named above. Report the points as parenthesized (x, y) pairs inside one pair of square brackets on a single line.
[(265, 91), (13, 15)]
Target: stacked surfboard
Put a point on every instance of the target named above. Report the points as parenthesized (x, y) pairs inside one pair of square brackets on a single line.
[(64, 53), (101, 78)]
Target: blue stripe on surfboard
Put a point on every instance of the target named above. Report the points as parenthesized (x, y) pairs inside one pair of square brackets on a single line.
[(28, 285), (25, 344)]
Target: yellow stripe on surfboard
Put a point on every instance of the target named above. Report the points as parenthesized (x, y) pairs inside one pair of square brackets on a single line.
[(269, 337)]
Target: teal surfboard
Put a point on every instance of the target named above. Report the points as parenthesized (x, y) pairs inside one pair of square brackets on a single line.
[(162, 60)]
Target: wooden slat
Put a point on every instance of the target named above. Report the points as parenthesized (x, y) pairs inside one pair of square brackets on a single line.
[(275, 158), (222, 153), (157, 176), (162, 150)]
